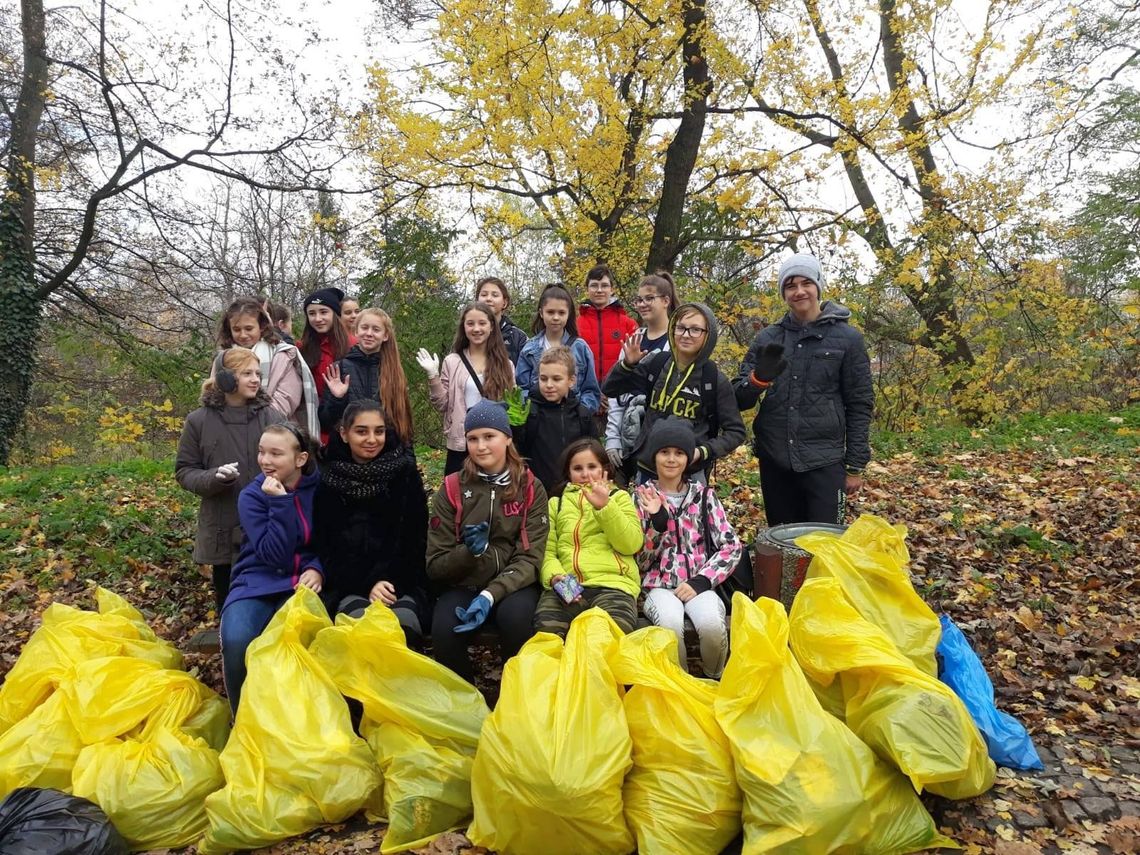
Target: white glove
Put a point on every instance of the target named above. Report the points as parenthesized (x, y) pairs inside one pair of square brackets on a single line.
[(615, 457), (227, 472), (429, 362)]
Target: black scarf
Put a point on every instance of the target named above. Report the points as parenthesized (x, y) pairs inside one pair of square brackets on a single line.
[(367, 480)]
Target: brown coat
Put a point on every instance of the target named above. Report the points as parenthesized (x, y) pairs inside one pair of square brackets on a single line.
[(212, 436)]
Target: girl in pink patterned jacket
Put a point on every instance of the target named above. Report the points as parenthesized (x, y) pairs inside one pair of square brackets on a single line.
[(690, 547)]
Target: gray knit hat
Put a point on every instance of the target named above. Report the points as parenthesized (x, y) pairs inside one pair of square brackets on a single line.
[(488, 414), (801, 264), (669, 433)]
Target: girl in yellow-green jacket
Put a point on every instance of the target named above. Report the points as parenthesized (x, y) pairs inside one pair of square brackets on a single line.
[(594, 537)]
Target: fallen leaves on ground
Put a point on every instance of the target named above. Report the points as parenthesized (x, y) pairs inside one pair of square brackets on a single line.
[(1034, 554)]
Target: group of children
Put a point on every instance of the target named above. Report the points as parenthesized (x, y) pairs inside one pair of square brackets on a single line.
[(529, 527)]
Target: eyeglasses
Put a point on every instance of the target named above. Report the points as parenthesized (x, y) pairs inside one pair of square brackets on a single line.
[(598, 285), (690, 332), (640, 301)]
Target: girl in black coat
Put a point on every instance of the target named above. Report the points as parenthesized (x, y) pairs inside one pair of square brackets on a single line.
[(371, 522)]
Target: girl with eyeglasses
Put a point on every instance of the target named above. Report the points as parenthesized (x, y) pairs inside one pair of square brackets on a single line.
[(656, 300), (684, 383), (217, 457)]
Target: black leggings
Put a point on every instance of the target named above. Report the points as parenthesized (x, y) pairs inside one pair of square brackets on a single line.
[(798, 497), (513, 616)]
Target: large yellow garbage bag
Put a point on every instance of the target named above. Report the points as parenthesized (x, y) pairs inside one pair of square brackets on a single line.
[(810, 785), (112, 696), (870, 561), (548, 774), (911, 719), (152, 789), (40, 750), (421, 720), (292, 761), (68, 636), (681, 794), (149, 776)]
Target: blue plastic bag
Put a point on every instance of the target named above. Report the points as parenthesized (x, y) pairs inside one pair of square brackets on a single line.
[(960, 668)]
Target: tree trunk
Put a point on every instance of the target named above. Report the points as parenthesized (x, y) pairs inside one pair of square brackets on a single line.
[(681, 156), (20, 320)]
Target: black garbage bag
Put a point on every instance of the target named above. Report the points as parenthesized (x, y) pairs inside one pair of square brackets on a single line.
[(35, 821)]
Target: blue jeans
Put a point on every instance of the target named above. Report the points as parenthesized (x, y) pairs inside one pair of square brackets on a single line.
[(242, 622)]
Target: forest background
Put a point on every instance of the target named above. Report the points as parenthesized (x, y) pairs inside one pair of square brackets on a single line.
[(968, 171)]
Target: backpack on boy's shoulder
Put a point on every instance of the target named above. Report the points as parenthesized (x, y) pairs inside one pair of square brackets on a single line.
[(451, 491), (741, 578)]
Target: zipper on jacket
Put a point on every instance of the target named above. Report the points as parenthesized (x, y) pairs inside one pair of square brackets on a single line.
[(305, 532), (578, 539)]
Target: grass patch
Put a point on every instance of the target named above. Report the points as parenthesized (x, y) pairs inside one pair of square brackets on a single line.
[(1065, 434)]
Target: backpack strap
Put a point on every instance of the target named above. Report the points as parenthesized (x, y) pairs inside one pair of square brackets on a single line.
[(451, 490), (709, 375), (706, 535)]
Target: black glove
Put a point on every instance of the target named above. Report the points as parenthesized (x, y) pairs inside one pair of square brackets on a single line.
[(770, 363)]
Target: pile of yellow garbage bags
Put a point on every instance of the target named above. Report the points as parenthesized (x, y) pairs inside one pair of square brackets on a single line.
[(98, 706), (825, 727)]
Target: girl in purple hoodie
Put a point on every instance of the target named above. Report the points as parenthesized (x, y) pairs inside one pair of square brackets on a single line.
[(277, 552)]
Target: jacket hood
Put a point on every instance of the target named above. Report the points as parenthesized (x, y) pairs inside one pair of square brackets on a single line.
[(215, 399), (710, 322), (830, 312), (614, 303)]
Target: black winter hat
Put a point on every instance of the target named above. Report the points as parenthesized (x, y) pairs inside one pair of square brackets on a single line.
[(669, 433), (330, 297)]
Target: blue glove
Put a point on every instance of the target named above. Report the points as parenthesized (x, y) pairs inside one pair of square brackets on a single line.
[(474, 615), (476, 537)]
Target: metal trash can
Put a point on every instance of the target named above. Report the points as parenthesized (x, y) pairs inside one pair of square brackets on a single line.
[(778, 565)]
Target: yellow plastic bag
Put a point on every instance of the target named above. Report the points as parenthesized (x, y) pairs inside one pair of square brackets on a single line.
[(292, 761), (152, 789), (68, 636), (112, 696), (911, 719), (40, 750), (870, 561), (421, 720), (681, 794), (810, 785), (553, 754)]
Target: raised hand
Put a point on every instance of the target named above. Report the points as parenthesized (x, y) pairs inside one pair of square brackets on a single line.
[(598, 494), (337, 385), (770, 363), (631, 348), (649, 498), (429, 362), (272, 487)]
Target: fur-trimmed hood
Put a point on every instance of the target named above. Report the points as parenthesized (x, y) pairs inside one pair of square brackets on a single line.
[(215, 399)]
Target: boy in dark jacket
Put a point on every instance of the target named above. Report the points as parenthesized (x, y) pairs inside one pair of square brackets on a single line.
[(552, 419), (685, 383), (811, 375)]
